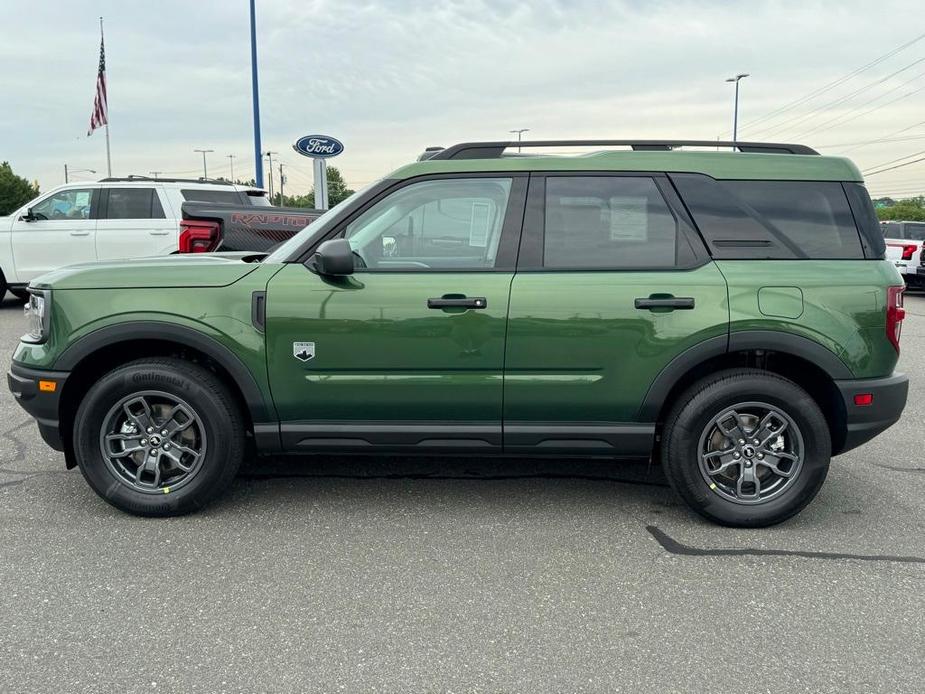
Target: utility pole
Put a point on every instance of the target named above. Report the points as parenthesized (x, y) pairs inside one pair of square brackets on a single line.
[(255, 95), (282, 181), (65, 173), (155, 174), (231, 159), (519, 133), (270, 170), (735, 110), (205, 171)]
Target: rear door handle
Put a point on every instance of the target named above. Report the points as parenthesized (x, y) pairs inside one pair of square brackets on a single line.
[(672, 303), (458, 302), (158, 233), (80, 233)]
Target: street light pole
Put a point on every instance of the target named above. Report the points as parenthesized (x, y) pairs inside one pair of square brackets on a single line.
[(205, 171), (735, 110), (255, 95), (73, 171), (519, 133)]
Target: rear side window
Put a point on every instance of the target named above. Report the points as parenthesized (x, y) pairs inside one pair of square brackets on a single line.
[(909, 231), (600, 222), (772, 219), (227, 197), (133, 203)]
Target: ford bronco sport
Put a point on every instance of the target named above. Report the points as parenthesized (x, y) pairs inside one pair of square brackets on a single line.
[(728, 313)]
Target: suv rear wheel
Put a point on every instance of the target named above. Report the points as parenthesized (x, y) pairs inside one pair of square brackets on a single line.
[(746, 448), (159, 437)]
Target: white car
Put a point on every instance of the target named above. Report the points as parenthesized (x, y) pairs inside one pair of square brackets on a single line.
[(111, 218), (905, 242)]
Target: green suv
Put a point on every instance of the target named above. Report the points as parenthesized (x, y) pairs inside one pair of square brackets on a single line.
[(727, 313)]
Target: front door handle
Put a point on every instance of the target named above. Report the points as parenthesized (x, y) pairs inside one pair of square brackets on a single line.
[(158, 233), (670, 303), (458, 302), (80, 233)]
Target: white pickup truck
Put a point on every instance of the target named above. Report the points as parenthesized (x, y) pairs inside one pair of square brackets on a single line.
[(905, 242), (100, 220)]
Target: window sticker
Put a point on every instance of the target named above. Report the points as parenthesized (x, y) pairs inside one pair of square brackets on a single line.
[(479, 224), (628, 218), (82, 199)]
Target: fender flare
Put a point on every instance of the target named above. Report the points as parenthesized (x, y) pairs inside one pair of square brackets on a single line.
[(171, 332), (785, 343)]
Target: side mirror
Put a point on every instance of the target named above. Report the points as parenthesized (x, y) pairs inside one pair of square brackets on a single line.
[(333, 258), (29, 216)]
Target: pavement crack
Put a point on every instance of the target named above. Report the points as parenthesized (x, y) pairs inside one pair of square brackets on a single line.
[(669, 544)]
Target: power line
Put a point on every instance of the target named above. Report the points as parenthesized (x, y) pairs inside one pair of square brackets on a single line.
[(790, 122), (861, 115), (898, 166), (845, 117), (893, 161), (831, 85)]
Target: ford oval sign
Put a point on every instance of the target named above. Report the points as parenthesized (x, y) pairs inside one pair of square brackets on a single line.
[(318, 146)]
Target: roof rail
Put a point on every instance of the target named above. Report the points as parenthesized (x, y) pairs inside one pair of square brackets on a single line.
[(494, 150), (159, 179)]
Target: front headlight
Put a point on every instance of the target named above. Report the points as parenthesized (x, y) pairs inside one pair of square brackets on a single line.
[(37, 311)]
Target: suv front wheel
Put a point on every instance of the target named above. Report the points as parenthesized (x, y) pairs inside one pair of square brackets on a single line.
[(746, 448), (159, 437)]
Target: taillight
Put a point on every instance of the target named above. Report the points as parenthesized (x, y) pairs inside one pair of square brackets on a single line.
[(894, 314), (909, 250), (199, 236)]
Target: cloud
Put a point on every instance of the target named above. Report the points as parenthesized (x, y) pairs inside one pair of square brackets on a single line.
[(390, 78)]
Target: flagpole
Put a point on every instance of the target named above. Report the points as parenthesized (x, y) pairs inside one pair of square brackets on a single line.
[(108, 156)]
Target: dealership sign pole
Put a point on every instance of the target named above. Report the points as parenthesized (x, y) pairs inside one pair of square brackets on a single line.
[(319, 148)]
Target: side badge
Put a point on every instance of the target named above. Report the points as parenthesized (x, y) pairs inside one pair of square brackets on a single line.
[(303, 351)]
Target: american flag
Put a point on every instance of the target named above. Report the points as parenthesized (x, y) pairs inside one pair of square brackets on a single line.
[(99, 116)]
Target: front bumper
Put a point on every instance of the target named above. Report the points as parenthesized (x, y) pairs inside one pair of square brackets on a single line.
[(41, 404), (864, 422)]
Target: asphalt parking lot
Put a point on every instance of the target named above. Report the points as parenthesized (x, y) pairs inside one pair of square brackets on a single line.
[(460, 575)]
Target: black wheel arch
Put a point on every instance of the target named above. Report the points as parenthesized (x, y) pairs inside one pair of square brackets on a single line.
[(153, 338), (810, 364)]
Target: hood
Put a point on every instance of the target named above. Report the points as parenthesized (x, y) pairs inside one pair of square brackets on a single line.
[(180, 270)]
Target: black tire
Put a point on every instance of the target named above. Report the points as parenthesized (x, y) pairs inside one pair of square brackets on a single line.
[(208, 399), (19, 292), (686, 430)]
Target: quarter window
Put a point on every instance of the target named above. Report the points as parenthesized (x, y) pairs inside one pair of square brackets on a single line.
[(444, 224), (134, 203), (607, 222), (73, 203)]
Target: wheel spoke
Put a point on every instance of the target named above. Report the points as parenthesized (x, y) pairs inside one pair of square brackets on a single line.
[(150, 467), (176, 457), (772, 462), (172, 425), (748, 486), (730, 425), (724, 464), (139, 411), (126, 450), (765, 425)]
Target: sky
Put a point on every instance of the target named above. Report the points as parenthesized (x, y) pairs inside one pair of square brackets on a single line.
[(389, 78)]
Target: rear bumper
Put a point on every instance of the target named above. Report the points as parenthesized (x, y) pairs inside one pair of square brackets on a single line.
[(864, 422), (41, 404)]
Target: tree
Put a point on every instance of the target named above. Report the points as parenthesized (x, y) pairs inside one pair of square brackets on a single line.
[(337, 191), (15, 191), (908, 210)]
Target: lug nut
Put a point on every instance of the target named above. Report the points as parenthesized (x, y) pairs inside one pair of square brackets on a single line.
[(756, 442), (164, 433), (761, 456), (166, 446), (150, 430), (741, 441), (736, 455), (144, 442)]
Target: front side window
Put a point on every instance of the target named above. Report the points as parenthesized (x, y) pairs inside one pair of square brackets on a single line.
[(134, 203), (441, 224), (73, 203), (607, 222)]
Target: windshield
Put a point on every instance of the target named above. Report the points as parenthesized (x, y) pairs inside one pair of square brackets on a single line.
[(316, 228)]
